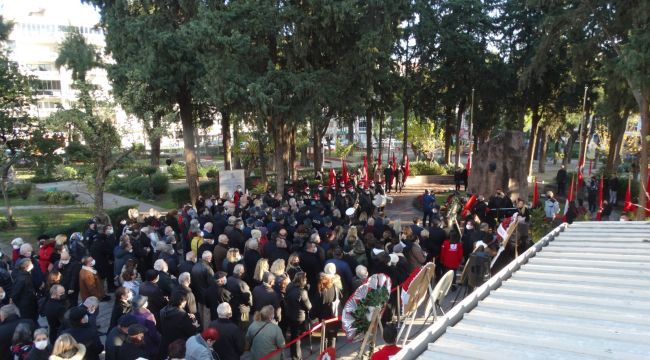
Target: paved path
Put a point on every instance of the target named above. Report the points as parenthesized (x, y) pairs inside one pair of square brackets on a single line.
[(111, 201)]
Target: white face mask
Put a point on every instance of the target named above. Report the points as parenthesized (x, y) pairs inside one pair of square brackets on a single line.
[(92, 263), (469, 227), (65, 262), (109, 232), (41, 345), (16, 247), (30, 268), (2, 296)]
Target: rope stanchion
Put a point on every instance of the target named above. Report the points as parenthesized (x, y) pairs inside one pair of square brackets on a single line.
[(304, 334)]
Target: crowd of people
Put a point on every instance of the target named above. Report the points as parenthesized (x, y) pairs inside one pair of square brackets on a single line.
[(229, 274)]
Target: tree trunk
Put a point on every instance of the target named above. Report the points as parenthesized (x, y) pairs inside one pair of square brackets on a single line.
[(197, 145), (154, 142), (350, 130), (369, 134), (643, 159), (281, 152), (533, 140), (191, 167), (541, 165), (236, 142), (617, 131), (261, 143), (568, 148), (293, 170), (5, 195), (459, 123), (227, 140), (405, 137), (381, 134), (317, 144), (619, 142), (100, 182), (449, 131), (556, 150)]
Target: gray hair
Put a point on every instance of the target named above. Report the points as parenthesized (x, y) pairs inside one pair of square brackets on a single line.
[(224, 310), (40, 331), (26, 247), (9, 310), (159, 265), (91, 301), (184, 278), (239, 269), (361, 271), (267, 313)]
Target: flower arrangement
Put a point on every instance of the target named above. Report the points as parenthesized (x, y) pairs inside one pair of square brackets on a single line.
[(358, 310)]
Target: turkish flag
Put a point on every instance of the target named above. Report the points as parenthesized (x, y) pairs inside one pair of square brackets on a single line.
[(628, 197), (332, 179), (600, 200), (468, 167), (535, 194), (365, 169)]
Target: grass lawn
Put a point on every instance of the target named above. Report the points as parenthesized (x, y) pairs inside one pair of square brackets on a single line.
[(32, 199), (32, 222)]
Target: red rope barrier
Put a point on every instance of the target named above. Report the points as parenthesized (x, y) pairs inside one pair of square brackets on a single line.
[(306, 333)]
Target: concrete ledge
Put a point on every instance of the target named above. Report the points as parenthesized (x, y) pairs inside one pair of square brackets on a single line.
[(430, 179)]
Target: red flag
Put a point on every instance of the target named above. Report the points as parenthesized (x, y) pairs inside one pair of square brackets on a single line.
[(407, 168), (394, 163), (365, 169), (344, 174), (600, 200), (569, 198), (628, 196), (581, 178), (535, 194), (332, 179), (468, 167), (467, 209)]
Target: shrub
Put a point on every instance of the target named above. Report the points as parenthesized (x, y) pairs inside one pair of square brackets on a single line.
[(116, 215), (58, 198), (23, 190), (78, 152), (138, 185), (63, 172), (159, 183), (181, 195), (212, 173), (427, 168), (176, 171)]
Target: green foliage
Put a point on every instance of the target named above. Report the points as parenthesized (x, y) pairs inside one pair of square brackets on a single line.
[(116, 215), (375, 298), (23, 190), (342, 151), (138, 185), (58, 198), (76, 54), (540, 225), (176, 171), (159, 183), (181, 195), (212, 173), (62, 172), (427, 168)]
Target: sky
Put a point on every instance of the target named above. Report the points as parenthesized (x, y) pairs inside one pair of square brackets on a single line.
[(66, 11)]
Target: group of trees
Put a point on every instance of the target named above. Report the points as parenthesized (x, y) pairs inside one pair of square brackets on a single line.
[(556, 68)]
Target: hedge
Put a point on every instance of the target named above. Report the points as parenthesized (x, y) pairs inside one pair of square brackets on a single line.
[(116, 215), (181, 195), (427, 168)]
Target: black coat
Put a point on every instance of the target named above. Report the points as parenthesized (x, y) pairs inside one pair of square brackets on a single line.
[(7, 328), (241, 297), (54, 311), (119, 308), (185, 266), (297, 304), (174, 324), (155, 298), (102, 252), (70, 277), (88, 336), (215, 295), (312, 265), (201, 276), (36, 354), (265, 295), (23, 294), (191, 300), (114, 340), (131, 351), (230, 345)]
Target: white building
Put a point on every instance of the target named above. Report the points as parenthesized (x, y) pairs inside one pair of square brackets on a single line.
[(39, 27)]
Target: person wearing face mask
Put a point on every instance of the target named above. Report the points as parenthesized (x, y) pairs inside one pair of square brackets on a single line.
[(23, 293), (42, 348), (208, 245), (122, 305), (27, 252), (83, 333), (4, 300), (92, 309), (146, 318), (90, 283), (15, 246), (69, 269), (468, 236), (54, 310), (116, 336)]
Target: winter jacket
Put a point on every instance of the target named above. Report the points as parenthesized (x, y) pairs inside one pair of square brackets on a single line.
[(7, 329), (54, 311), (23, 294), (89, 337), (265, 295), (201, 276), (78, 354), (230, 345), (90, 285), (152, 336), (215, 295), (264, 341), (241, 298), (297, 303), (45, 254), (114, 340), (121, 257), (155, 298), (218, 256), (451, 255), (70, 278), (119, 308), (197, 349), (551, 208), (174, 324)]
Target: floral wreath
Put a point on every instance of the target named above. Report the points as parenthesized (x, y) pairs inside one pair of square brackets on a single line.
[(358, 310)]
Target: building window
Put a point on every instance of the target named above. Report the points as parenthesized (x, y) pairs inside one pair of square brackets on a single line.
[(47, 87), (48, 104), (41, 67), (362, 125)]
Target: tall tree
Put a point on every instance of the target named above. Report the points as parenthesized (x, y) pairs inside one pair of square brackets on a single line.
[(156, 40), (93, 119)]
